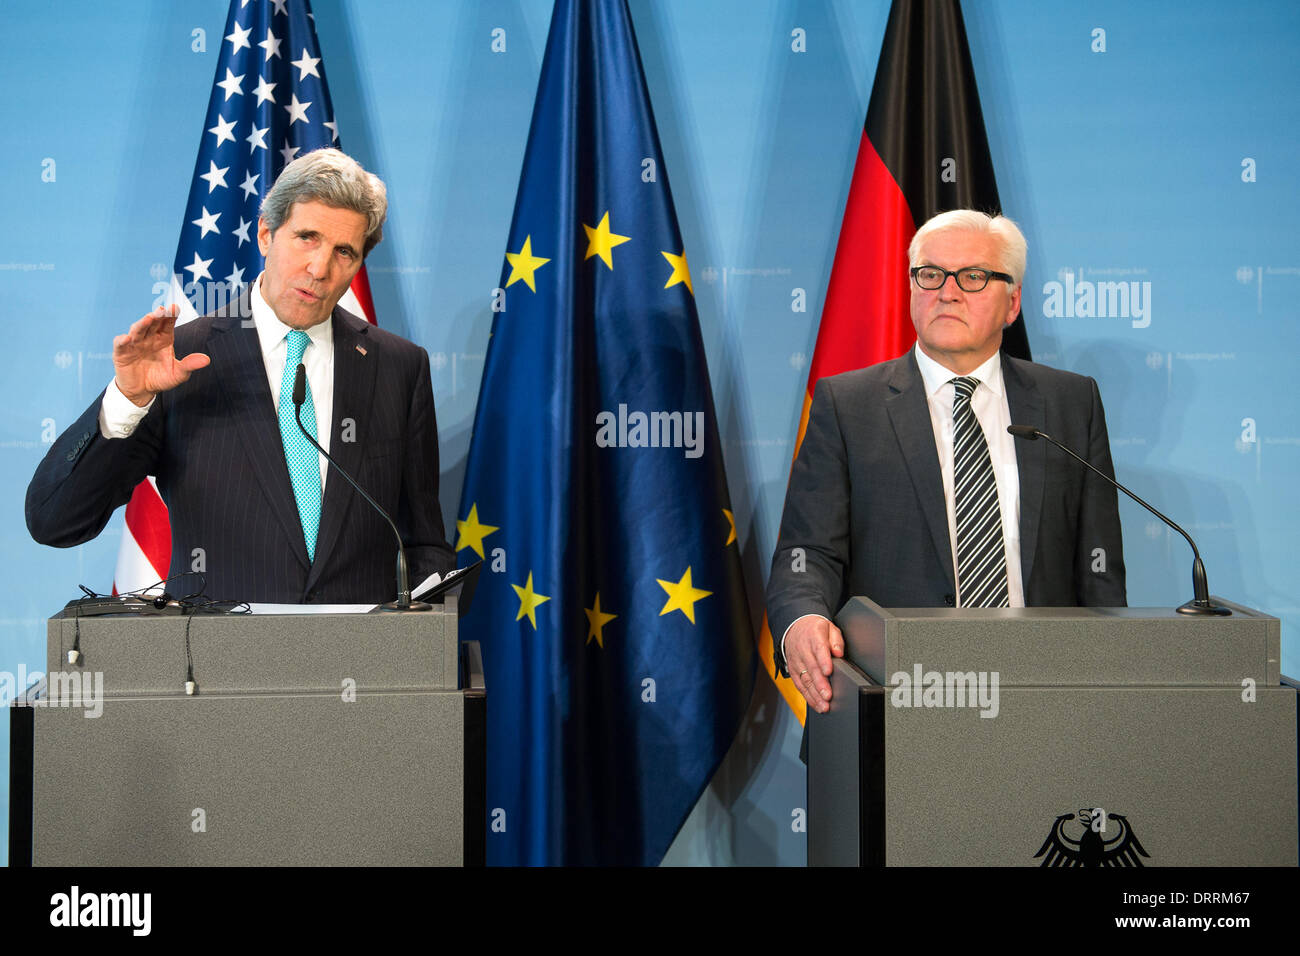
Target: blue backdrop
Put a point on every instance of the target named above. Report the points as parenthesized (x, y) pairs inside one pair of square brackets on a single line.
[(1150, 143)]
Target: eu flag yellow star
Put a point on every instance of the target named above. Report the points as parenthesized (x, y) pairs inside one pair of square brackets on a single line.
[(731, 522), (681, 271), (682, 596), (597, 619), (528, 601), (523, 264), (472, 532), (600, 241)]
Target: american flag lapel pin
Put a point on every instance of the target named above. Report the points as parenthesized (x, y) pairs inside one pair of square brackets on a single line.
[(361, 350)]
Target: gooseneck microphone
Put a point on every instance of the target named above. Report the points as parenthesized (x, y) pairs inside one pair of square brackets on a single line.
[(1200, 603), (403, 602)]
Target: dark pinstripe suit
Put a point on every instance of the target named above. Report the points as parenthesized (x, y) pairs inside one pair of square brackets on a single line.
[(866, 501), (214, 445)]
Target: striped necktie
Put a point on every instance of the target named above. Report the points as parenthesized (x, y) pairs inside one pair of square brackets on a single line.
[(981, 555)]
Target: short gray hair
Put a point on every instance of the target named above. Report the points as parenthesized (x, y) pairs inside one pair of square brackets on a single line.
[(1015, 250), (335, 179)]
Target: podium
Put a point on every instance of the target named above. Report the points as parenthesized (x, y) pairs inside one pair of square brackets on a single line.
[(1113, 736), (319, 739)]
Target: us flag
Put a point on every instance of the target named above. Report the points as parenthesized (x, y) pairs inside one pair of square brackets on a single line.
[(269, 105)]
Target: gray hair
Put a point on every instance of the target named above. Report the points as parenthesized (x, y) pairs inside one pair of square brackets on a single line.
[(335, 179), (1015, 249)]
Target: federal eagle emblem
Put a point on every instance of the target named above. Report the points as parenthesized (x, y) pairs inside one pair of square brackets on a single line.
[(1092, 849)]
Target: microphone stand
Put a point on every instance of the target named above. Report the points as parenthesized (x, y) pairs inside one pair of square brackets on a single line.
[(403, 602), (1200, 603)]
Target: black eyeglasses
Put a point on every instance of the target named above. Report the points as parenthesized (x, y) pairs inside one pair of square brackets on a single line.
[(969, 279)]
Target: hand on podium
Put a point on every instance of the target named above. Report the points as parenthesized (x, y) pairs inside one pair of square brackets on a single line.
[(809, 645)]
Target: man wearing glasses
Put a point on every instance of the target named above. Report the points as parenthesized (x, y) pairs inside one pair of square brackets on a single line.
[(908, 488)]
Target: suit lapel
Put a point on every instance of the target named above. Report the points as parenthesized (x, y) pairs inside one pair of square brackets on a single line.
[(1025, 403), (354, 385), (237, 358), (909, 413)]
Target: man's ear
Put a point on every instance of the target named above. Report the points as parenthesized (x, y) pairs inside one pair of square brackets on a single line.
[(1015, 305), (263, 235)]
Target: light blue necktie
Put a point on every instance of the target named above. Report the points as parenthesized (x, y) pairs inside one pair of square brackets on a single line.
[(301, 455)]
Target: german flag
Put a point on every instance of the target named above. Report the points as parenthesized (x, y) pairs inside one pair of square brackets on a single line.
[(923, 151)]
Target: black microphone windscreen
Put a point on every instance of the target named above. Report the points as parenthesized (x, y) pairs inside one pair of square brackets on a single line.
[(300, 385), (1024, 431)]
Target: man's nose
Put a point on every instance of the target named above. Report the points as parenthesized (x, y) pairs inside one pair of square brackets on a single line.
[(950, 289), (318, 263)]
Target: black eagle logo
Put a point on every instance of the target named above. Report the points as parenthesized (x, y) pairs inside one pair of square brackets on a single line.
[(1092, 849)]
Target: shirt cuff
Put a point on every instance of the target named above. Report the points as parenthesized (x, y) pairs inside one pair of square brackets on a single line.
[(792, 624), (118, 415)]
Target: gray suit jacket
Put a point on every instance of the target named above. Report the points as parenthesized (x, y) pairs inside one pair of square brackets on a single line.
[(214, 445), (865, 502)]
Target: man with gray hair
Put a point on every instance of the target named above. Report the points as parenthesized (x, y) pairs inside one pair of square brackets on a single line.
[(208, 409), (908, 489)]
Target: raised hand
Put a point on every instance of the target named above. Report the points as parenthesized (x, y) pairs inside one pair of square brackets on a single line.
[(145, 360)]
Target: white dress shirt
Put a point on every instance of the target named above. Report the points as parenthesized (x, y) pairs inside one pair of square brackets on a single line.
[(989, 403), (119, 416)]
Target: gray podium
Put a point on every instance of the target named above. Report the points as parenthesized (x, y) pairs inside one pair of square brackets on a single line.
[(1181, 730), (313, 739)]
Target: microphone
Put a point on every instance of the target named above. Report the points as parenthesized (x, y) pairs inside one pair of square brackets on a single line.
[(1200, 603), (403, 602)]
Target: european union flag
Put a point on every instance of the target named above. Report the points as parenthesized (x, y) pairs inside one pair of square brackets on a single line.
[(616, 636)]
